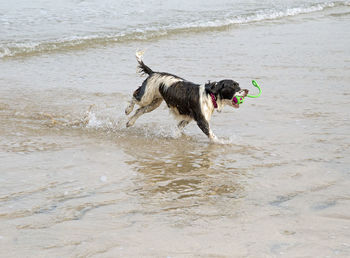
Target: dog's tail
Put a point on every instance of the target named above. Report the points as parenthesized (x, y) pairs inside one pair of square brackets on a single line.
[(143, 69)]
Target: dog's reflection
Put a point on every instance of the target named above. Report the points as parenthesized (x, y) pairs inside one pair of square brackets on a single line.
[(181, 169)]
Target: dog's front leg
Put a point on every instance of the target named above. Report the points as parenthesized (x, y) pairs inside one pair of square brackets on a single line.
[(204, 126)]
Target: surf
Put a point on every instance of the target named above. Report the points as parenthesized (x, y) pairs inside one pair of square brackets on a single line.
[(151, 31)]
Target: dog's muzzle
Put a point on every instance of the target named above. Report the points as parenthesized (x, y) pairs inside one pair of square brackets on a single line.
[(239, 99)]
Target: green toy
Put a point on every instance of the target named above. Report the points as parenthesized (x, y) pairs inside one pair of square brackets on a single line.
[(240, 99)]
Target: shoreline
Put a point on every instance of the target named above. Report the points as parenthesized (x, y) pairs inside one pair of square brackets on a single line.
[(76, 182)]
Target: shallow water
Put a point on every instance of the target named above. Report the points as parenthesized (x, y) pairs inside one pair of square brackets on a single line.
[(75, 182)]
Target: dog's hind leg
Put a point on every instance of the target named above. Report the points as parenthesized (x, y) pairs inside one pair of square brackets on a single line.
[(181, 125), (137, 98), (142, 110), (130, 107)]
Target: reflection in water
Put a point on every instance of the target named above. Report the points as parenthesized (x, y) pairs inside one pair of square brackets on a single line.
[(179, 174)]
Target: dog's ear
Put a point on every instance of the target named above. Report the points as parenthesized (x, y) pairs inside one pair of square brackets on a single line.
[(213, 87), (227, 93)]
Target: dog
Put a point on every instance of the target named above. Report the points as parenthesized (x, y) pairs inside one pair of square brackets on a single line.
[(186, 100)]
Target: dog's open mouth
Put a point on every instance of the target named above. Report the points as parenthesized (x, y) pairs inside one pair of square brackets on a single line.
[(235, 105), (237, 100)]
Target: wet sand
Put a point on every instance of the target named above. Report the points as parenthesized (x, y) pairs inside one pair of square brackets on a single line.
[(76, 183)]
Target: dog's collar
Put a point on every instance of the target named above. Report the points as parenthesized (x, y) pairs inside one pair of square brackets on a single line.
[(214, 100)]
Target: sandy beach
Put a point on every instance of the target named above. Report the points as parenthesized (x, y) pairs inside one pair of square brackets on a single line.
[(75, 182)]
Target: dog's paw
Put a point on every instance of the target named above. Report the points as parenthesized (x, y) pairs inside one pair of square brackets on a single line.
[(129, 123), (130, 107), (128, 110), (213, 138)]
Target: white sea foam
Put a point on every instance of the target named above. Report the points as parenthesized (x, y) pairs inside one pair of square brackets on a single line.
[(263, 15)]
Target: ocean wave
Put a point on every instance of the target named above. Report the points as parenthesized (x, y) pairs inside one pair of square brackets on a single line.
[(22, 49)]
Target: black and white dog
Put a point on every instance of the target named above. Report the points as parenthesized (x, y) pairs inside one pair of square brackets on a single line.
[(187, 101)]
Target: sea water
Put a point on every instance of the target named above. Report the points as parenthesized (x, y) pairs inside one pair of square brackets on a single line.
[(74, 181)]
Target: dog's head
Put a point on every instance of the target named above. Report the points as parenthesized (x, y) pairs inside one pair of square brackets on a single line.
[(226, 90)]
